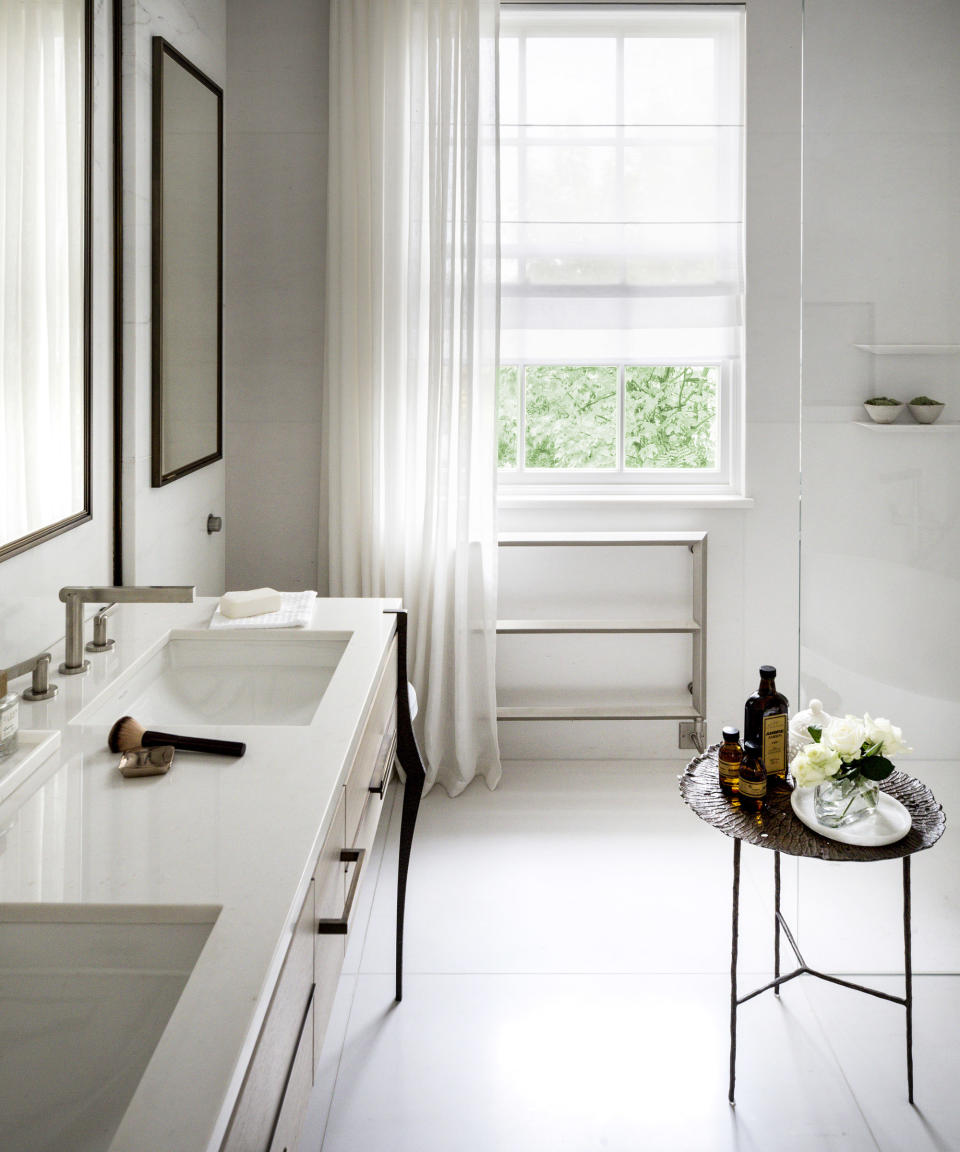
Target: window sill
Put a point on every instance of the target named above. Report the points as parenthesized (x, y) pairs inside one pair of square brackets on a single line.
[(514, 498)]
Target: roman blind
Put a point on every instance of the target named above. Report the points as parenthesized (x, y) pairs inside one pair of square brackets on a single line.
[(621, 147)]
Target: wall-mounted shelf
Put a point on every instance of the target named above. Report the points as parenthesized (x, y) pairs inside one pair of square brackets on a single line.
[(539, 627), (909, 349), (579, 711), (692, 715), (943, 425)]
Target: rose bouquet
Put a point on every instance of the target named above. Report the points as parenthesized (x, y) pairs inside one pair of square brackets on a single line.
[(845, 760)]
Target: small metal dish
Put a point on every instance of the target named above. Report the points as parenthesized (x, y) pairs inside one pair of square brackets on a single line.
[(147, 761)]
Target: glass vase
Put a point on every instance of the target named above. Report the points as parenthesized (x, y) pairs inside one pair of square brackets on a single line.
[(843, 800)]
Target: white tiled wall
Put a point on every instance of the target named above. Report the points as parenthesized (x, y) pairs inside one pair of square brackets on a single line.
[(165, 540), (881, 258), (275, 162)]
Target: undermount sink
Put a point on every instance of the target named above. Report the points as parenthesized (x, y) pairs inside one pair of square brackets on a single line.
[(84, 999), (204, 678)]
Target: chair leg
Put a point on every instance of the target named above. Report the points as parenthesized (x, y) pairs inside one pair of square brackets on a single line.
[(408, 755)]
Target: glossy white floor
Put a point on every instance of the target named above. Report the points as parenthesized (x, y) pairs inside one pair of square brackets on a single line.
[(567, 984)]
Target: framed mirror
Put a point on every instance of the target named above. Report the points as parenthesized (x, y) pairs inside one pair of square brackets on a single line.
[(187, 353), (46, 114)]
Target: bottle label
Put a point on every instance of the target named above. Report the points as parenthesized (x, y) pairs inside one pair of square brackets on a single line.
[(754, 789), (8, 722), (775, 744)]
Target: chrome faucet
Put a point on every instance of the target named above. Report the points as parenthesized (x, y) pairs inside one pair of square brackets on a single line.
[(75, 598)]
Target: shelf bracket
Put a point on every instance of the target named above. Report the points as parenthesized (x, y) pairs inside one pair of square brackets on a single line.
[(693, 734)]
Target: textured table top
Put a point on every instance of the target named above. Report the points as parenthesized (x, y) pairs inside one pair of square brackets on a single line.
[(779, 829)]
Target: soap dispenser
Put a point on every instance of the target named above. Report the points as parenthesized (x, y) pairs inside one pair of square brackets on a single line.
[(9, 718)]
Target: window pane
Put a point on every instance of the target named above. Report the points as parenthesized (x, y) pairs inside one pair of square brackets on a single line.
[(571, 80), (671, 417), (669, 81), (571, 417), (508, 416)]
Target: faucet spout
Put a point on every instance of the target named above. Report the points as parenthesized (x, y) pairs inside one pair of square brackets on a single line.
[(75, 598)]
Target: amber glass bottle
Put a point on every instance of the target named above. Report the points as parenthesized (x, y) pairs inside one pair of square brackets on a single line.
[(753, 778), (765, 720), (728, 761)]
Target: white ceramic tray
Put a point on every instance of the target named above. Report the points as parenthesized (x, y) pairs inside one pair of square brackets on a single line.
[(890, 822)]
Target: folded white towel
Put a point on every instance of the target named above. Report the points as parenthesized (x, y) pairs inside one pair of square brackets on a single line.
[(296, 612)]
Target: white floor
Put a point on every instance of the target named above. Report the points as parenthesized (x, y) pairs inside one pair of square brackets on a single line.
[(567, 984)]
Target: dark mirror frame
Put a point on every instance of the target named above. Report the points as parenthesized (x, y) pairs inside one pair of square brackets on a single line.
[(162, 49), (14, 547)]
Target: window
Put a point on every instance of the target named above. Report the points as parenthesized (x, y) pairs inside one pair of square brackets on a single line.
[(621, 169)]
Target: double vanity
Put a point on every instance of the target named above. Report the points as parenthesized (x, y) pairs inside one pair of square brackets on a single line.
[(170, 945)]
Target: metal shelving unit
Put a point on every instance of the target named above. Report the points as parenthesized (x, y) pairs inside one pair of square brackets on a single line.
[(692, 716)]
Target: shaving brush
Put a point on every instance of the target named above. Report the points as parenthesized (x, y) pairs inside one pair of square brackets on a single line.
[(127, 733)]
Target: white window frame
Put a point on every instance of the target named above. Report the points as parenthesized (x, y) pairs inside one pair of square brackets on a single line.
[(727, 479)]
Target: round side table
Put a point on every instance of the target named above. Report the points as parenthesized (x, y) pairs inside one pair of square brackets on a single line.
[(778, 829)]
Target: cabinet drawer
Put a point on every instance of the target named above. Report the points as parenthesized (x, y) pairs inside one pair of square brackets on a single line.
[(331, 890), (364, 770), (373, 808), (286, 1136), (256, 1112)]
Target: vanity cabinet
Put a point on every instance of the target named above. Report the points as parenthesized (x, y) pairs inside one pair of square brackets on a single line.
[(273, 1099), (262, 1097), (374, 754)]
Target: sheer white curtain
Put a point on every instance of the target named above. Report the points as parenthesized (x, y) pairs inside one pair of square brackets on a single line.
[(41, 255), (411, 349)]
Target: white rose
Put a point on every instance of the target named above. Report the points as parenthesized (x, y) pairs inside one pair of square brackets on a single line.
[(813, 764), (845, 736), (882, 731)]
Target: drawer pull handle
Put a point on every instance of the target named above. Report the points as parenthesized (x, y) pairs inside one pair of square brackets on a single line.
[(341, 925), (379, 789)]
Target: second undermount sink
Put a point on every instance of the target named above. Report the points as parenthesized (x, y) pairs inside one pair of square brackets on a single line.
[(204, 678), (85, 995)]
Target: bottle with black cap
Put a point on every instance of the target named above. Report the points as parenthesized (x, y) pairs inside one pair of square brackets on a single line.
[(728, 760), (753, 778), (765, 720)]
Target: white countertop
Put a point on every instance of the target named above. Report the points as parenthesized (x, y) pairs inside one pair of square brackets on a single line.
[(238, 835)]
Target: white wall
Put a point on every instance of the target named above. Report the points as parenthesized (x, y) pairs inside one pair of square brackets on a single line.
[(881, 257), (31, 616), (753, 551), (276, 158), (165, 539)]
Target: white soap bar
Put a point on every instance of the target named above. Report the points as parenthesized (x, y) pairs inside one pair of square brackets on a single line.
[(254, 602)]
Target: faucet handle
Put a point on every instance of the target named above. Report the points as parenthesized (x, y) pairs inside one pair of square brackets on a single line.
[(100, 643), (40, 687)]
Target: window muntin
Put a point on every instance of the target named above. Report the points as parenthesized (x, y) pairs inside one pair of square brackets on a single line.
[(621, 144)]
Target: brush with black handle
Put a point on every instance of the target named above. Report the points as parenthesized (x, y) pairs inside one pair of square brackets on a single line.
[(127, 733)]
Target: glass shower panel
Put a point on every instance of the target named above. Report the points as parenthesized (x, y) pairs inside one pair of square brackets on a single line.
[(880, 552)]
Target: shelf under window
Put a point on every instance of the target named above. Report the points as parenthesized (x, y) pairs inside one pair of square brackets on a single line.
[(596, 712), (544, 627)]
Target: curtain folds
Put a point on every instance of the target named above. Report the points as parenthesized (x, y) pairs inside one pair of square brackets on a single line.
[(41, 256), (411, 349)]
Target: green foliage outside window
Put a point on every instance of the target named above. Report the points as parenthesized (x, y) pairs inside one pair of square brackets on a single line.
[(670, 415), (571, 417), (508, 416)]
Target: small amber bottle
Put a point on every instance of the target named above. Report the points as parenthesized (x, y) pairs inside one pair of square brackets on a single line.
[(728, 761), (753, 778)]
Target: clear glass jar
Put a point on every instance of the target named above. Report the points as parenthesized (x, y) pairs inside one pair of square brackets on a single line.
[(843, 800)]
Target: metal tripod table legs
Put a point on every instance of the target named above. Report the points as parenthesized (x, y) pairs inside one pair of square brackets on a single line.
[(804, 970)]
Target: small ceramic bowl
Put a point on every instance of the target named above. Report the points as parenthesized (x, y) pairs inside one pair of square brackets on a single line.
[(883, 413), (925, 413)]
